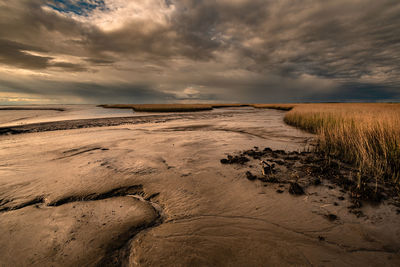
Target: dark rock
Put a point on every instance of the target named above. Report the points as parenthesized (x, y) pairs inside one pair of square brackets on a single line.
[(341, 198), (331, 217), (240, 160), (280, 191), (321, 238), (273, 180), (296, 189), (250, 176), (234, 160), (292, 158), (224, 161), (279, 162), (254, 154)]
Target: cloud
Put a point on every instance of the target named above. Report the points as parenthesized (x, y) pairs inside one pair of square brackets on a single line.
[(227, 50), (17, 54)]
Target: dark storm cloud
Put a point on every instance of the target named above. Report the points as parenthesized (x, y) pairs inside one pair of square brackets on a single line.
[(91, 92), (66, 66), (300, 49), (99, 61), (13, 53), (18, 55)]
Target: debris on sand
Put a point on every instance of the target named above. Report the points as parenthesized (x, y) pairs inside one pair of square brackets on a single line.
[(296, 189), (356, 204), (365, 192), (234, 160), (250, 176), (356, 212), (331, 217), (255, 154), (303, 169), (272, 180), (224, 161), (267, 168)]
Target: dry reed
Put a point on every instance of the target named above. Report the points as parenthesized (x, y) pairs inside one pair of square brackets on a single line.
[(366, 135)]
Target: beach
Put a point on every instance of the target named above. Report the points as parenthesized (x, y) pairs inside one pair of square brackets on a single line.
[(93, 187)]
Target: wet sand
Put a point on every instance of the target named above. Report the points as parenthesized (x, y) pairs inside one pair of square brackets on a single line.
[(22, 115), (152, 191)]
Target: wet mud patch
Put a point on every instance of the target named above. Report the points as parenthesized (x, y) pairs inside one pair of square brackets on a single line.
[(80, 150), (35, 201), (294, 172), (116, 192), (133, 190), (119, 214)]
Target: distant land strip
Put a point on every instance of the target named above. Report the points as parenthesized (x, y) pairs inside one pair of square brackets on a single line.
[(102, 122), (31, 108), (191, 107)]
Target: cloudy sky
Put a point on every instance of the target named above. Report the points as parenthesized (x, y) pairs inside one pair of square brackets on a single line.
[(164, 51)]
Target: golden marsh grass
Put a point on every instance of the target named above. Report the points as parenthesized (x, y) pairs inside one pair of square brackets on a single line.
[(366, 135)]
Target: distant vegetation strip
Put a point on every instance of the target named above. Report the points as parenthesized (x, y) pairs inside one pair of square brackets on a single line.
[(364, 134), (285, 107), (191, 107), (171, 107)]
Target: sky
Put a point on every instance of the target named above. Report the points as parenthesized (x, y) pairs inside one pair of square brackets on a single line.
[(194, 51)]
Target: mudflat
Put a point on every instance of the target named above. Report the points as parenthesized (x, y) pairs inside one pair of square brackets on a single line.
[(191, 189)]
